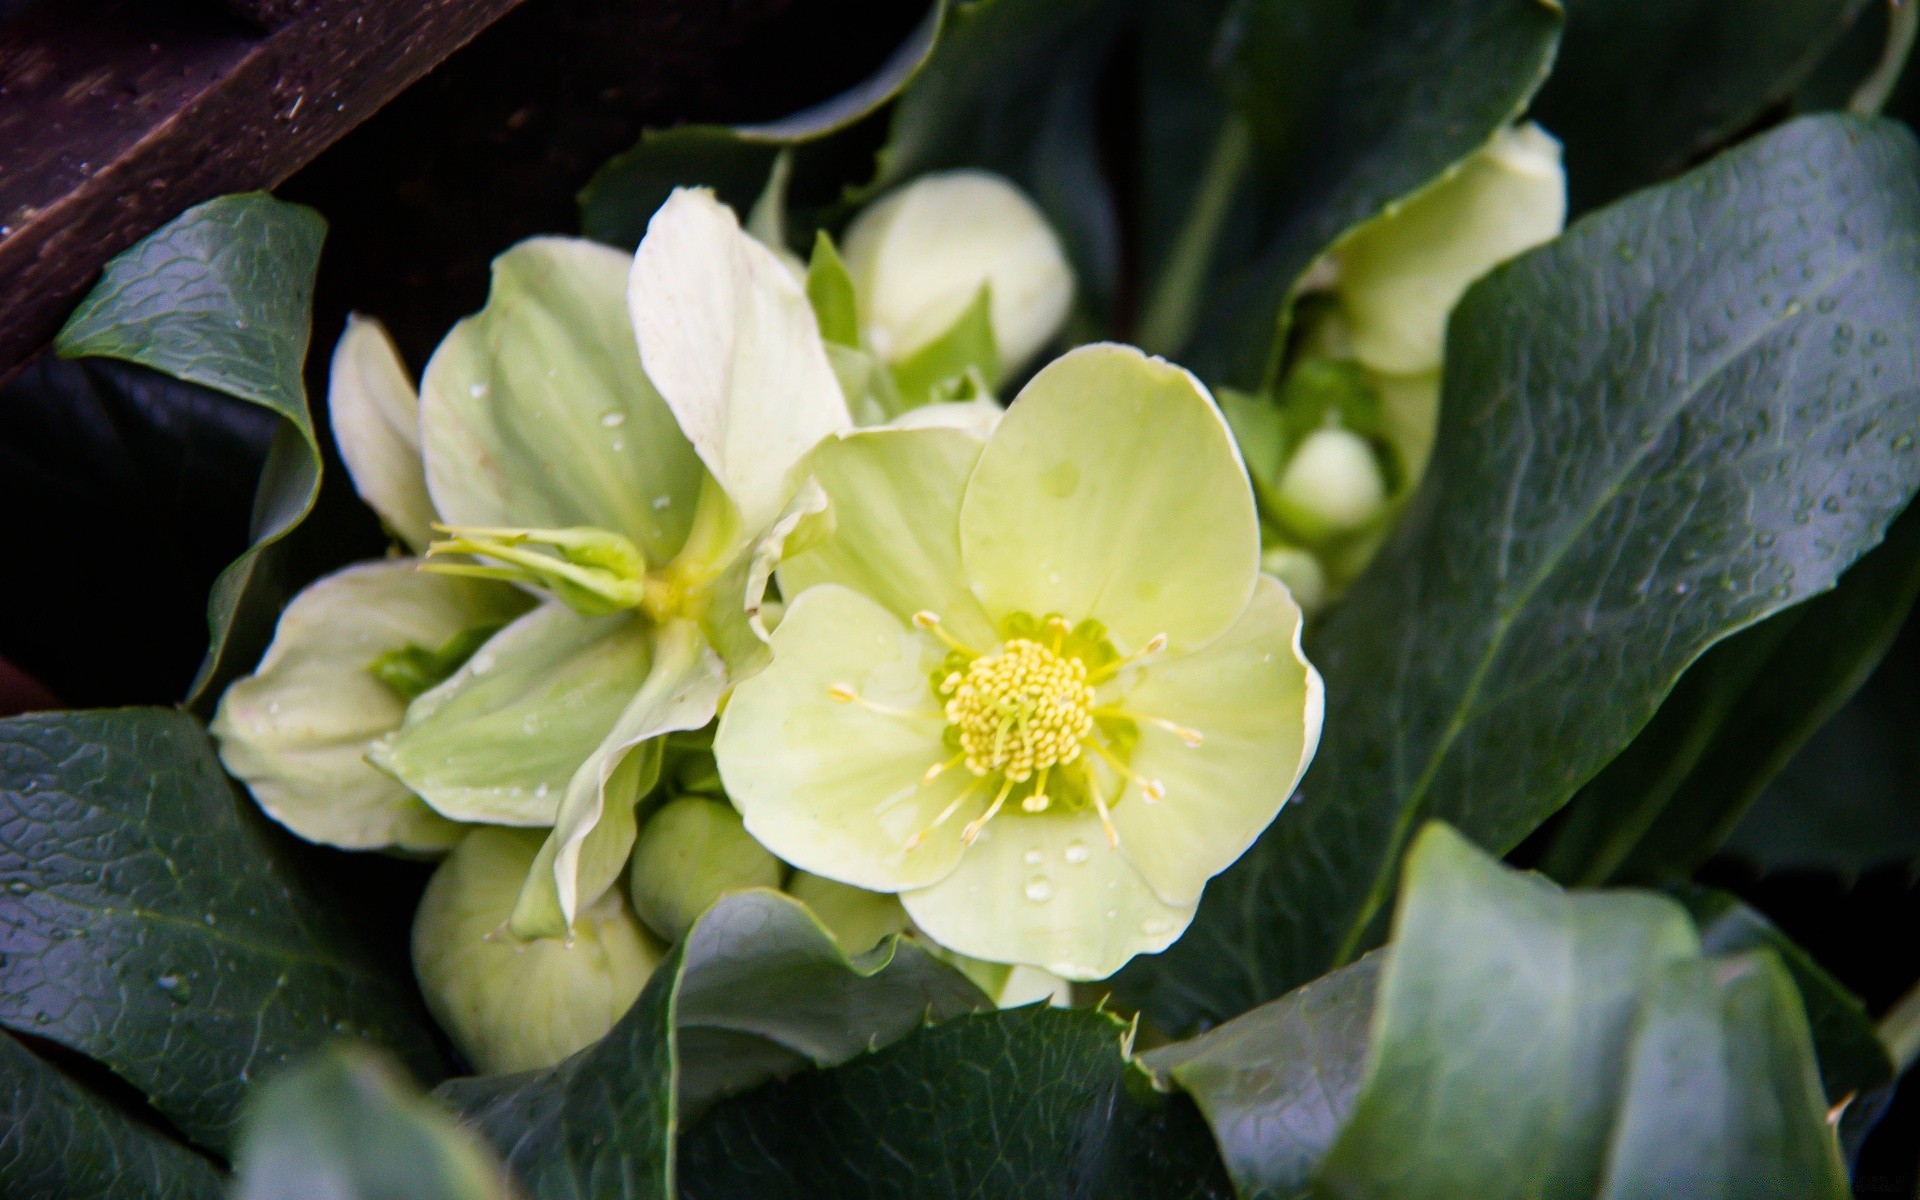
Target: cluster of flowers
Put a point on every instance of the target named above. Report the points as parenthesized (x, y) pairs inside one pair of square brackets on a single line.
[(721, 569)]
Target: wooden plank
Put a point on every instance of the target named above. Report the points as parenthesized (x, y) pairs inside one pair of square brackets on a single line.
[(117, 114)]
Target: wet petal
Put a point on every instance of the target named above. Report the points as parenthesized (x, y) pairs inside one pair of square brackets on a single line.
[(500, 740), (297, 730), (1112, 490), (536, 413), (1045, 890), (836, 788), (1256, 703)]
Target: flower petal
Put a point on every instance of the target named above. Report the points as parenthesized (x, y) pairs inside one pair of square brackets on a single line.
[(594, 829), (730, 339), (536, 414), (836, 789), (499, 741), (894, 496), (1256, 702), (1112, 490), (1401, 273), (511, 1006), (1046, 891), (376, 422), (297, 729)]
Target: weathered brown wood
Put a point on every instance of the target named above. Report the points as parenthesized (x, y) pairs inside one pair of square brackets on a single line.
[(117, 114)]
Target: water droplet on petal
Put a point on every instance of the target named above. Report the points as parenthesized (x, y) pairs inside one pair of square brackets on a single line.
[(614, 420), (1077, 851), (1039, 889), (1033, 858)]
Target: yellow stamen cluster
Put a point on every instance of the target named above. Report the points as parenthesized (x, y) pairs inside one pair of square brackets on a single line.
[(1023, 710)]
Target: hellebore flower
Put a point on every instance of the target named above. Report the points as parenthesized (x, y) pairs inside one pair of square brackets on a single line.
[(1034, 684), (922, 255), (607, 450)]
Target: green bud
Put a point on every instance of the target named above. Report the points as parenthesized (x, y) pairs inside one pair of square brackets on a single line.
[(857, 918), (1332, 486), (1301, 571), (594, 571), (510, 1005), (687, 855), (922, 254)]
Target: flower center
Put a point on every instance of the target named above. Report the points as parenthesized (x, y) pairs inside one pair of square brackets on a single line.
[(1022, 710)]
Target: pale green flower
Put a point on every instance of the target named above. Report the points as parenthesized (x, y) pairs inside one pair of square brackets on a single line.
[(920, 257), (516, 1006), (614, 436), (1034, 684)]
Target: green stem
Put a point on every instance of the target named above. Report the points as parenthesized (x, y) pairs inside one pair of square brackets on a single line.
[(1903, 21), (1175, 303), (1900, 1030)]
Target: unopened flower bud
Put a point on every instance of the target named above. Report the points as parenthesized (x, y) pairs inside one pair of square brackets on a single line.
[(1301, 571), (920, 256), (1399, 275), (687, 855), (1332, 485), (857, 918), (511, 1005)]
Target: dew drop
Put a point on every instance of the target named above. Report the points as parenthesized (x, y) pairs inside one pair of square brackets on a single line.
[(660, 502), (614, 420), (1039, 889), (619, 443), (1077, 851), (19, 887), (1034, 858), (176, 988), (477, 390)]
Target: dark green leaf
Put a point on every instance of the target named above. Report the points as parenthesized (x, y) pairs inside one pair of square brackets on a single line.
[(1277, 1084), (1855, 1070), (1850, 799), (59, 1139), (1033, 1102), (1348, 107), (1011, 88), (1534, 1042), (139, 486), (757, 989), (1642, 86), (734, 161), (222, 296), (152, 921), (1737, 716), (1686, 414), (1489, 1070), (344, 1124), (1720, 1096)]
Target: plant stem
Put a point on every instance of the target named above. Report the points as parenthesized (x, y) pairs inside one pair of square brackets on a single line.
[(1900, 1030), (1903, 21), (1174, 305)]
